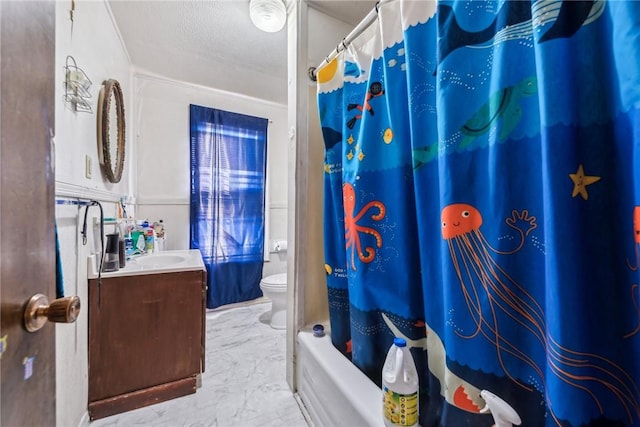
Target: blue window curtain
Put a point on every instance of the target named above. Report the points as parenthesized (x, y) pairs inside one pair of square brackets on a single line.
[(228, 172)]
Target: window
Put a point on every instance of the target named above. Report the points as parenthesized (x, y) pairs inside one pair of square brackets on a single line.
[(228, 173)]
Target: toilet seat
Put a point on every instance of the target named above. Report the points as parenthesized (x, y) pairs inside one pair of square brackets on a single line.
[(275, 281)]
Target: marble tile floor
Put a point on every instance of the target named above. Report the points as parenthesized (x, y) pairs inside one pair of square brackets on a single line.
[(244, 382)]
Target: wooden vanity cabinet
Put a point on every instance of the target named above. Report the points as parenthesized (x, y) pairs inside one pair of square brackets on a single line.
[(146, 339)]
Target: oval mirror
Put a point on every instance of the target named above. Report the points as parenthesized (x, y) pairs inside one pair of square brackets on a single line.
[(111, 130)]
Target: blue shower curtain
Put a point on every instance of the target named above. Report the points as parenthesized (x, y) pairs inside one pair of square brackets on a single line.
[(228, 171), (481, 200)]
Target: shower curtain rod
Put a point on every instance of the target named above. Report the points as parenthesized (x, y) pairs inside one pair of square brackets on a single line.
[(371, 16)]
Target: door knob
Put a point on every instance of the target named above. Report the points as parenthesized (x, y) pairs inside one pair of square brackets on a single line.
[(61, 310)]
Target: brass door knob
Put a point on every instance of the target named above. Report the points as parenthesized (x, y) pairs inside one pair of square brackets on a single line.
[(61, 310)]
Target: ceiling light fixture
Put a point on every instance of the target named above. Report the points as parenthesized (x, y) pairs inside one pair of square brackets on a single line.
[(268, 15)]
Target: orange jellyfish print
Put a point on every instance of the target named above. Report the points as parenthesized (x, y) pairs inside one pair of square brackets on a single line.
[(497, 303), (353, 229)]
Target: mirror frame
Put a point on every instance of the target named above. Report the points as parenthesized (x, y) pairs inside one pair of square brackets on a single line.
[(112, 168)]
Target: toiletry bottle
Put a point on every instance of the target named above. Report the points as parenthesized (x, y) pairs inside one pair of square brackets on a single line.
[(150, 239), (128, 243), (158, 228), (139, 239), (122, 257), (399, 386)]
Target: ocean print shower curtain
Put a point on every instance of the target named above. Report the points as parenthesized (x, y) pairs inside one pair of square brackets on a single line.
[(482, 201)]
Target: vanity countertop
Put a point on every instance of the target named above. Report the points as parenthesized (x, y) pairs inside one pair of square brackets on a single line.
[(155, 263)]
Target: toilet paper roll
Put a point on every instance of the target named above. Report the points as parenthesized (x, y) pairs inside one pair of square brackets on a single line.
[(280, 245)]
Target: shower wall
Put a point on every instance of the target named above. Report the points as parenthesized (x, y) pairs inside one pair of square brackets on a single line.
[(324, 34)]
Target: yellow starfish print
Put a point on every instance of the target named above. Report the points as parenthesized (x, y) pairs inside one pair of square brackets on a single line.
[(350, 155), (350, 139), (580, 182), (361, 156)]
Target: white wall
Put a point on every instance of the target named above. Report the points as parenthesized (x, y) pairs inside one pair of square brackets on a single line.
[(93, 40), (157, 117), (326, 33), (162, 123)]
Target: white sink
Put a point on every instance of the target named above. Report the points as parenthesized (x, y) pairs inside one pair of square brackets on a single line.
[(159, 260)]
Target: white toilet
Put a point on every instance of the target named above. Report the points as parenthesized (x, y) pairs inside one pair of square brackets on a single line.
[(274, 287)]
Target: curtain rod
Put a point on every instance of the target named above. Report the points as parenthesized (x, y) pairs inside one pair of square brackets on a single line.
[(371, 16)]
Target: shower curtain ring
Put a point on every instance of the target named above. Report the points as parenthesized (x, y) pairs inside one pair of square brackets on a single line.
[(377, 10), (344, 44), (312, 74)]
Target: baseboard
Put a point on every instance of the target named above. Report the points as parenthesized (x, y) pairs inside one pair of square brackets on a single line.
[(138, 399)]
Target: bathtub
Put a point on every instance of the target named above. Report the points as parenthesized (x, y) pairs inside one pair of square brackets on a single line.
[(333, 391)]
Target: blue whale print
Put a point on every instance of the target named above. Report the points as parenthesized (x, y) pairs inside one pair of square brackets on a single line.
[(571, 16)]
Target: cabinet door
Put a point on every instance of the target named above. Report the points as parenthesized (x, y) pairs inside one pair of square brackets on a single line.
[(144, 331)]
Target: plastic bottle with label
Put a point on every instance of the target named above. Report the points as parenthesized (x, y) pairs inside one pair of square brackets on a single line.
[(399, 387), (128, 244), (149, 239), (158, 228), (139, 238)]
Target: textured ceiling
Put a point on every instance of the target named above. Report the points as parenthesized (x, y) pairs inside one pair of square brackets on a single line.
[(213, 42)]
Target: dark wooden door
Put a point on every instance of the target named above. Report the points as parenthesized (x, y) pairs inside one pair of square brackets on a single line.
[(27, 251)]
